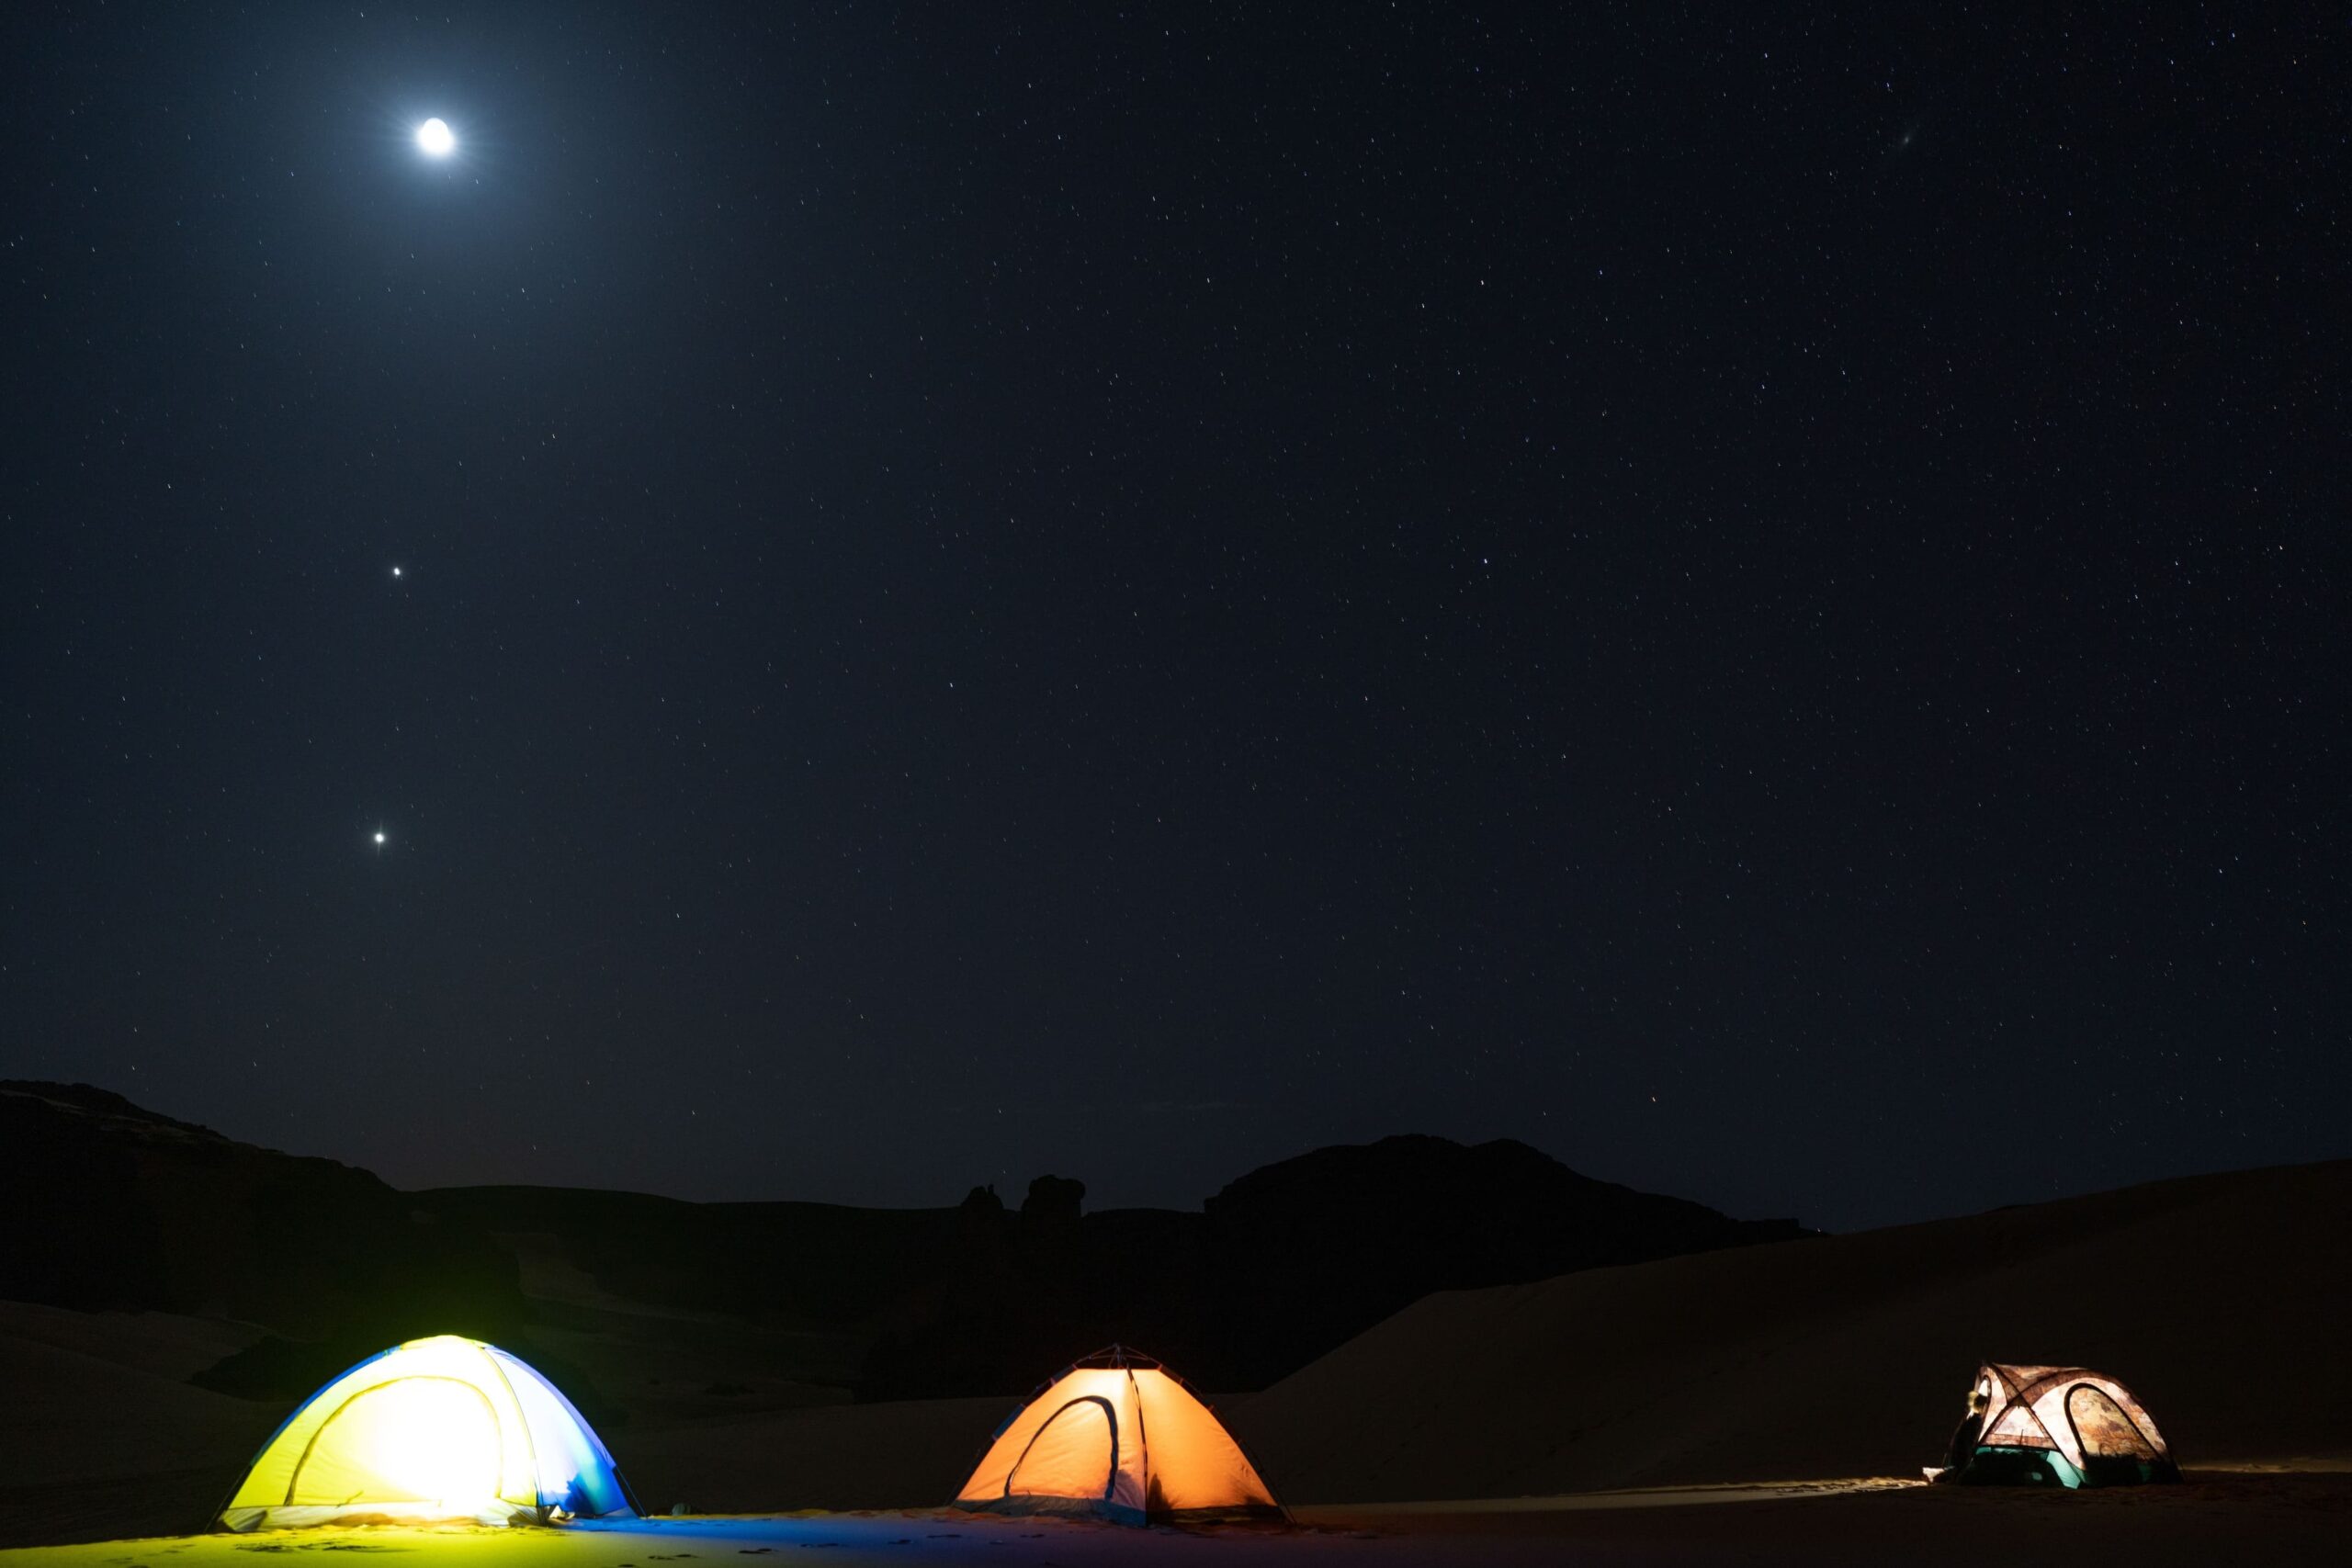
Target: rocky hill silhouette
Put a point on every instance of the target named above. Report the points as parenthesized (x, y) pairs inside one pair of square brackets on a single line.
[(122, 1209)]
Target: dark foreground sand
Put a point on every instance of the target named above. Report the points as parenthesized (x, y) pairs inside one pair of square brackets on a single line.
[(2273, 1519)]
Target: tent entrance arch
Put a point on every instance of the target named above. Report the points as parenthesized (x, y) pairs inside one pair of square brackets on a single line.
[(2112, 1444), (422, 1440), (1074, 1454)]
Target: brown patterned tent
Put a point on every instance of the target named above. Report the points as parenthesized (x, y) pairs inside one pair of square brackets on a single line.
[(2064, 1426)]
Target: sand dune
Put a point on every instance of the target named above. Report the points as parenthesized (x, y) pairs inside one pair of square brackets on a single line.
[(99, 1435), (2221, 1299), (93, 1396)]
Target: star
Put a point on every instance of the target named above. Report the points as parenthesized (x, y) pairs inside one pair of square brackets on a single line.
[(437, 139)]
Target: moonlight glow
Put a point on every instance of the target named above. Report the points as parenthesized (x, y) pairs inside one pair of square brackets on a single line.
[(437, 139)]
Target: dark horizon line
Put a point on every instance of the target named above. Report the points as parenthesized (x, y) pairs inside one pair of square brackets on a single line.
[(21, 1085)]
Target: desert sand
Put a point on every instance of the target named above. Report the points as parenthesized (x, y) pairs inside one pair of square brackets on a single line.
[(1758, 1405), (99, 1433), (2218, 1518)]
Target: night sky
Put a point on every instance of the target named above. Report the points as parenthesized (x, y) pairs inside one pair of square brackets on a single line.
[(1754, 597)]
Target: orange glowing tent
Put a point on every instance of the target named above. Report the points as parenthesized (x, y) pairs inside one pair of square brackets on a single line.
[(1117, 1435)]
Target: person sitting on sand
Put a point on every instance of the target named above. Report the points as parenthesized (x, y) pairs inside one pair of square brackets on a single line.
[(1963, 1447)]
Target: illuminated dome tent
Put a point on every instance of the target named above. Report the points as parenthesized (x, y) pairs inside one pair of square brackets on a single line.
[(439, 1428), (1117, 1435), (2064, 1426)]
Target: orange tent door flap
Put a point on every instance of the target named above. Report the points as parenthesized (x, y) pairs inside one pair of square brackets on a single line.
[(1074, 1454)]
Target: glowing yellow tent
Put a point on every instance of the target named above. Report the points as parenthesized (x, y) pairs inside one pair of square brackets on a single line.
[(439, 1428), (1119, 1436)]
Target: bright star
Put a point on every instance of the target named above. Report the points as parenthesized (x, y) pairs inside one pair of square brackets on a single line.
[(396, 571), (435, 137), (380, 838)]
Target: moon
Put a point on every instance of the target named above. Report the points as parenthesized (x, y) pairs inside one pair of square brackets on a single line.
[(437, 139)]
